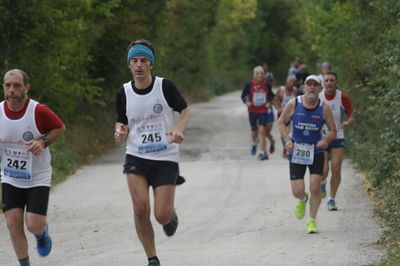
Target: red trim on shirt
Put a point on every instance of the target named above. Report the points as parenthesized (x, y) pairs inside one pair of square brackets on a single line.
[(348, 110), (46, 120)]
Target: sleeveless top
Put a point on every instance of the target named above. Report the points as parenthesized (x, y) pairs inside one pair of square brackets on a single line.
[(19, 167), (258, 97), (306, 124), (285, 98), (149, 117), (337, 109)]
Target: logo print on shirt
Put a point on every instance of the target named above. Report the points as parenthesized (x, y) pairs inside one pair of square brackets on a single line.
[(157, 108), (27, 136)]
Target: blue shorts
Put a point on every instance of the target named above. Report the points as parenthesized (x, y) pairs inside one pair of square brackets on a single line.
[(337, 143), (262, 118)]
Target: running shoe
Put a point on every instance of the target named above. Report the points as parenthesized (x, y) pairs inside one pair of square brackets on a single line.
[(322, 189), (300, 210), (154, 262), (253, 149), (272, 148), (312, 227), (170, 228), (332, 205), (262, 156), (43, 243)]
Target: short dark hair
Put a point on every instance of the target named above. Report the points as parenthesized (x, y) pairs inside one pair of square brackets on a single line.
[(331, 73), (144, 42)]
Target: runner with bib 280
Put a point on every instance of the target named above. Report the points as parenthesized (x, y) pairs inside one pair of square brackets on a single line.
[(306, 145)]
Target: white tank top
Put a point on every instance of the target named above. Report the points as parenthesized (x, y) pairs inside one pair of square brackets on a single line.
[(286, 98), (149, 117), (19, 167), (337, 110)]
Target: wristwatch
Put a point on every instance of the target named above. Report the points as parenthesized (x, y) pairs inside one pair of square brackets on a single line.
[(46, 142), (286, 140)]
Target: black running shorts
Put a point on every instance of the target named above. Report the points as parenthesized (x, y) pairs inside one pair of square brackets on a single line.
[(35, 199), (297, 171), (157, 173)]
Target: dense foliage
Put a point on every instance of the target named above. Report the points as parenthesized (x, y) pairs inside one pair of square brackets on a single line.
[(362, 39), (75, 53)]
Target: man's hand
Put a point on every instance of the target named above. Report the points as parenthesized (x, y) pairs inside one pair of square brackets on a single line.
[(121, 133), (176, 136), (36, 146)]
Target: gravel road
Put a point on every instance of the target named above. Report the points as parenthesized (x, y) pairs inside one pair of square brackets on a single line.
[(233, 209)]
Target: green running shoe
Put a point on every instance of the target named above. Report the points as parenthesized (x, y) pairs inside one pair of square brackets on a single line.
[(322, 190), (300, 210), (312, 227), (332, 205)]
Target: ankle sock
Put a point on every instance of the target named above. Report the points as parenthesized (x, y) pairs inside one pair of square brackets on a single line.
[(153, 258), (24, 262)]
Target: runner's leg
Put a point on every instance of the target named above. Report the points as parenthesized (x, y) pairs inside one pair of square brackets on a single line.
[(337, 155), (15, 224), (139, 190)]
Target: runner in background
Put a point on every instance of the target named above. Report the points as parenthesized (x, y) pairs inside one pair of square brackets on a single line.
[(282, 97), (340, 105), (258, 99)]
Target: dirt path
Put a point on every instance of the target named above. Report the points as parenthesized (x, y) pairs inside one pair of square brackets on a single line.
[(233, 209)]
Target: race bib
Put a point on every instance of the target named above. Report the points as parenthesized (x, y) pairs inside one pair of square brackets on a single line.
[(17, 164), (151, 138), (303, 153), (259, 98)]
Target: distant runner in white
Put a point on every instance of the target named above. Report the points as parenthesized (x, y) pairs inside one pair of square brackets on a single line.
[(340, 105)]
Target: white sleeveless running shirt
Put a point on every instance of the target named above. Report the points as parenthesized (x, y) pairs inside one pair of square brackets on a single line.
[(337, 110), (19, 167), (149, 118)]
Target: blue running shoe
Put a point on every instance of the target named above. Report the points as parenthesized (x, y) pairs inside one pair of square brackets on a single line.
[(262, 156), (332, 205), (43, 243), (253, 149)]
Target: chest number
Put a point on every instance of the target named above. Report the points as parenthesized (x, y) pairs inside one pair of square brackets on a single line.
[(16, 164), (150, 138)]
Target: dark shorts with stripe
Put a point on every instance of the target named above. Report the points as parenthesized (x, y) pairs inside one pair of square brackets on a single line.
[(35, 199), (297, 171), (337, 143), (262, 118), (157, 173)]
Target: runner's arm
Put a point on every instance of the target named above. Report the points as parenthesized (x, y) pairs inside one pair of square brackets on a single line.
[(177, 133)]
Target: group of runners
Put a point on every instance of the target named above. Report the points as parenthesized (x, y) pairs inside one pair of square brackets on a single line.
[(146, 121), (310, 111)]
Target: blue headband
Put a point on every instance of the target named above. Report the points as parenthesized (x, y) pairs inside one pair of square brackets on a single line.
[(140, 50)]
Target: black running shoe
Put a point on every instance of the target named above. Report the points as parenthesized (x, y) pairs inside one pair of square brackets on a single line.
[(170, 228), (154, 262)]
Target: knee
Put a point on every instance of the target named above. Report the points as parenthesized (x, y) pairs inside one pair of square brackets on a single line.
[(15, 225), (298, 192), (163, 216), (35, 226), (141, 209), (315, 188)]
